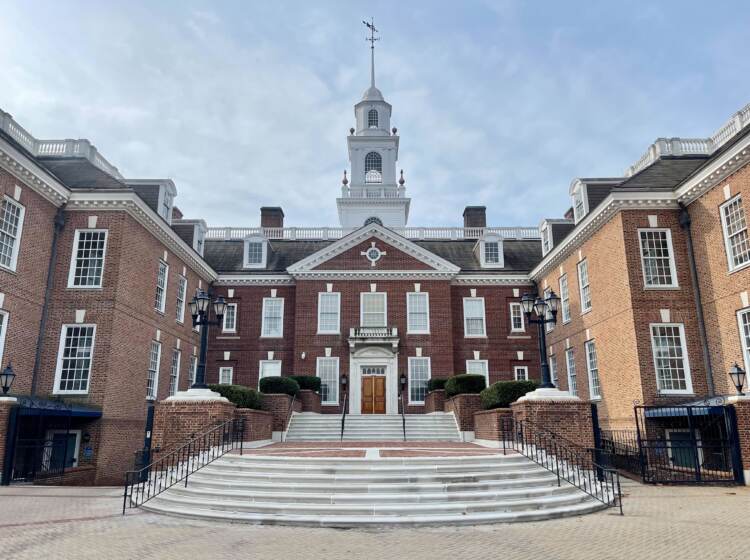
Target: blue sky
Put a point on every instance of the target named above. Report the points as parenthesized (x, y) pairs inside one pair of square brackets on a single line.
[(246, 104)]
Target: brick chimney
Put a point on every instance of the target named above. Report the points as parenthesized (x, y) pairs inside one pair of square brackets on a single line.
[(475, 217), (271, 217)]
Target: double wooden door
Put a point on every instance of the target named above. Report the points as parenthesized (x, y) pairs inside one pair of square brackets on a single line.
[(373, 394)]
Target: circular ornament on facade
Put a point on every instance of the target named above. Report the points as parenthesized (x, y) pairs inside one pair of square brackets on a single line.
[(373, 254)]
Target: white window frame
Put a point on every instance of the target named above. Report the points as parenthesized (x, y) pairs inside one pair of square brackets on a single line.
[(517, 306), (74, 259), (174, 372), (491, 238), (409, 328), (411, 360), (672, 265), (319, 361), (17, 241), (192, 370), (362, 297), (486, 369), (727, 243), (553, 375), (590, 370), (229, 370), (686, 360), (58, 369), (152, 396), (162, 305), (264, 252), (484, 319), (564, 298), (545, 233), (263, 319), (321, 296), (226, 327), (524, 369), (4, 319), (181, 297), (261, 364), (47, 457), (166, 195), (579, 190), (744, 340), (570, 358), (581, 286)]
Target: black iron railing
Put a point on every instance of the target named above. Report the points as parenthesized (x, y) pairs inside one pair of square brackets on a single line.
[(289, 412), (148, 482), (343, 415), (569, 461), (619, 450), (403, 414)]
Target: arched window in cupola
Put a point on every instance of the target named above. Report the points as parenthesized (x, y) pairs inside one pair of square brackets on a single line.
[(372, 118), (373, 168)]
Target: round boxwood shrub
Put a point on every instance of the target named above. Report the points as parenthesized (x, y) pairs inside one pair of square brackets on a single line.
[(279, 385), (243, 397), (436, 383), (464, 383), (310, 382), (502, 393)]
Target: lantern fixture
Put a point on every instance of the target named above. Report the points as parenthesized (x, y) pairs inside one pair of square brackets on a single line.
[(738, 377), (6, 379)]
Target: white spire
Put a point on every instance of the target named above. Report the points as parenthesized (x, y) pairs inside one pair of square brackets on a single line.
[(372, 39)]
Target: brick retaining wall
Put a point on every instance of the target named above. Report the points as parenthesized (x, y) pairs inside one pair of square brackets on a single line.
[(176, 422), (258, 423), (278, 405), (463, 407), (310, 400), (435, 401), (487, 423)]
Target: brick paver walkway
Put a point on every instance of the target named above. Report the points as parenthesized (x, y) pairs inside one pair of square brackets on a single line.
[(660, 522)]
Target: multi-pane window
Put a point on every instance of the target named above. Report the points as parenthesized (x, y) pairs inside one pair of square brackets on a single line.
[(373, 168), (564, 298), (474, 325), (373, 310), (273, 318), (166, 205), (579, 206), (255, 252), (3, 331), (11, 223), (418, 312), (74, 359), (230, 318), (419, 376), (181, 292), (225, 375), (552, 361), (546, 234), (193, 370), (269, 368), (743, 318), (570, 362), (583, 284), (478, 367), (152, 378), (372, 118), (670, 358), (516, 317), (521, 373), (656, 258), (328, 371), (87, 263), (161, 286), (593, 368), (329, 312), (735, 233), (491, 252), (174, 372)]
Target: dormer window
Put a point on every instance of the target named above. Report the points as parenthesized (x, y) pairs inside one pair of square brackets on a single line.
[(372, 118), (166, 201), (256, 250), (546, 234), (373, 168), (578, 194), (491, 251)]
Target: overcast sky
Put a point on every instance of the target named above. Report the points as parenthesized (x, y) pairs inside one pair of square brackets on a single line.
[(245, 104)]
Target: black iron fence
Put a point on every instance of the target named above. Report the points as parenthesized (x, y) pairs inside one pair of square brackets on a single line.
[(619, 450), (148, 482), (569, 461)]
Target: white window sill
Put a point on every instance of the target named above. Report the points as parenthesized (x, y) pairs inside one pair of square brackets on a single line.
[(740, 267), (85, 287), (159, 311), (328, 333), (658, 288), (587, 311), (415, 403), (7, 269), (272, 336), (566, 321), (180, 321), (518, 331), (329, 404), (673, 393), (520, 337), (422, 333), (58, 392), (597, 399), (475, 335), (229, 332)]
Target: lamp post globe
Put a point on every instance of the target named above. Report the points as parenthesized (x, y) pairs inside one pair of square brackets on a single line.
[(540, 306), (193, 305), (738, 377), (527, 302), (6, 379), (220, 306), (203, 301), (553, 302)]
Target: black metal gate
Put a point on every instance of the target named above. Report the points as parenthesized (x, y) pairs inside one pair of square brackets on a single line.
[(688, 444)]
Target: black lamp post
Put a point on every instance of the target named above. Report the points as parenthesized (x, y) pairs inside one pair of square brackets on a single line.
[(6, 379), (546, 311), (199, 309), (738, 378)]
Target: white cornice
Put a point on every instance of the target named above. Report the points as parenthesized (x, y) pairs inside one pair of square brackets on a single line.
[(718, 170), (31, 174), (131, 203), (614, 203), (254, 280), (440, 265), (373, 275), (492, 280)]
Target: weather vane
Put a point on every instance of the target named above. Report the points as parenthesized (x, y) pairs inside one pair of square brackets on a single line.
[(372, 39)]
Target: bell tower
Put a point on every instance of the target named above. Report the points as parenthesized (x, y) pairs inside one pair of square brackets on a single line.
[(373, 190)]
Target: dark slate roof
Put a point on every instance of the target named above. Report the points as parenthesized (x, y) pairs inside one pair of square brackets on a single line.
[(226, 256), (80, 173), (185, 232), (560, 230), (597, 193), (664, 174)]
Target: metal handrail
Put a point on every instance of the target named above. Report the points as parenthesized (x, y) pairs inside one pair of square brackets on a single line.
[(343, 415), (573, 463), (148, 482), (289, 412), (403, 414)]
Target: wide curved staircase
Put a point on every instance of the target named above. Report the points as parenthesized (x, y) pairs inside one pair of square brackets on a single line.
[(356, 492)]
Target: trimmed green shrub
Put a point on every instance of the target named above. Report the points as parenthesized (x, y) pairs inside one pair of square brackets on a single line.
[(243, 397), (464, 383), (436, 383), (310, 382), (502, 393), (279, 385)]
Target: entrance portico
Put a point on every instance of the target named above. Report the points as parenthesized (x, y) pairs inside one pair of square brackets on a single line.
[(366, 367)]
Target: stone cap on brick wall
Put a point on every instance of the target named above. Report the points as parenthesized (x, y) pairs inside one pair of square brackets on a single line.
[(552, 394), (193, 395)]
